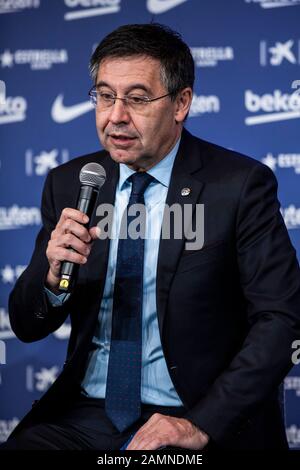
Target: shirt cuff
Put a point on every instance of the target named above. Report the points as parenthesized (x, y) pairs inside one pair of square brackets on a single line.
[(56, 300)]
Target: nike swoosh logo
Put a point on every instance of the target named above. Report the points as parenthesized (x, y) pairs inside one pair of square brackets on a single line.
[(61, 113), (160, 6)]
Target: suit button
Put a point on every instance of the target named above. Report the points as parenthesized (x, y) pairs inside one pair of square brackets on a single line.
[(39, 314)]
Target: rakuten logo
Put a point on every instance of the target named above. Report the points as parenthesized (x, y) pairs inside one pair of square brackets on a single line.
[(15, 6), (277, 106), (204, 104), (16, 217)]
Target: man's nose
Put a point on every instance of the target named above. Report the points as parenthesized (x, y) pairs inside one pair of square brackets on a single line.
[(119, 112)]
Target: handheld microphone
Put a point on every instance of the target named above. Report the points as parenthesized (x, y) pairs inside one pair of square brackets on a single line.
[(92, 177)]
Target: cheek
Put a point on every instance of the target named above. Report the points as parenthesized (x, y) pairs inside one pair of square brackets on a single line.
[(101, 122), (162, 129), (148, 129)]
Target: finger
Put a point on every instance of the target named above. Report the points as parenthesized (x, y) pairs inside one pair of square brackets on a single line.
[(68, 240), (166, 430), (150, 441), (69, 226), (77, 229), (74, 214), (95, 232), (143, 433), (62, 254), (155, 418)]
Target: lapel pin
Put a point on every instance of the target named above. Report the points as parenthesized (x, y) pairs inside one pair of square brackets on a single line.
[(185, 191)]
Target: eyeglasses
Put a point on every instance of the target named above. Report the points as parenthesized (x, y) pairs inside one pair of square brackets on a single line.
[(105, 100)]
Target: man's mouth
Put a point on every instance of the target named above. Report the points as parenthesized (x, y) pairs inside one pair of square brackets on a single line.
[(121, 138)]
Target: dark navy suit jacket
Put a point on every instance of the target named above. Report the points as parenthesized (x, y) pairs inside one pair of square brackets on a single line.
[(228, 313)]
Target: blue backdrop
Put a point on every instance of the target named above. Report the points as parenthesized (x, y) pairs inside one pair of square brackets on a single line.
[(247, 98)]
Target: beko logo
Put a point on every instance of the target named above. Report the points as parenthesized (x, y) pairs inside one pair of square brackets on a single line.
[(91, 8), (5, 328), (272, 107), (13, 109)]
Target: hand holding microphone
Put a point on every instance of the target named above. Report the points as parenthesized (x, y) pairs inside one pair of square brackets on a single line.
[(71, 240)]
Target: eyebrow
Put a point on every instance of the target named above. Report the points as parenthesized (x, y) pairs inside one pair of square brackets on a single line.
[(134, 86)]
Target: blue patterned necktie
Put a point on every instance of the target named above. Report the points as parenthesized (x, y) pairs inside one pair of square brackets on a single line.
[(123, 386)]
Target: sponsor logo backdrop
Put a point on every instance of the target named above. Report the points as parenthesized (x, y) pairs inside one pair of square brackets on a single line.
[(247, 98)]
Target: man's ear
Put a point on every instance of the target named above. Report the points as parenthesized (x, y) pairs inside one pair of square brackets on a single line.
[(183, 103)]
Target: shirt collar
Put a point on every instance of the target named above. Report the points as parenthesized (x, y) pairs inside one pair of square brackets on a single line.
[(161, 171)]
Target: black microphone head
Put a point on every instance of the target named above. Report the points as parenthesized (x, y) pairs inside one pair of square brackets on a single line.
[(93, 174)]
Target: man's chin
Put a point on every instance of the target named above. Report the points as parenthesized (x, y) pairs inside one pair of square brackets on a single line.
[(123, 157)]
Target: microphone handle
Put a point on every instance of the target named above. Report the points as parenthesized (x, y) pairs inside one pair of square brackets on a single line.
[(69, 270)]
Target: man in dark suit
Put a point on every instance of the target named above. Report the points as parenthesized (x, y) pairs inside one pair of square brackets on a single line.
[(217, 322)]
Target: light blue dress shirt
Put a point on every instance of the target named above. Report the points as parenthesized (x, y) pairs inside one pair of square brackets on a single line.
[(156, 386)]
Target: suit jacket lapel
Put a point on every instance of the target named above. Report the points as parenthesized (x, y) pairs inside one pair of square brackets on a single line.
[(187, 162)]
